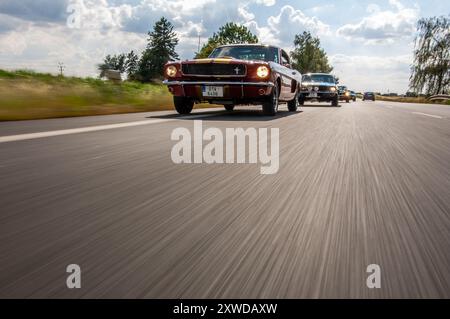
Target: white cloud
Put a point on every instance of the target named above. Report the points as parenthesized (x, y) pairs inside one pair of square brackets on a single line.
[(282, 28), (42, 47), (383, 26), (291, 21), (245, 14), (267, 3), (12, 43), (373, 73)]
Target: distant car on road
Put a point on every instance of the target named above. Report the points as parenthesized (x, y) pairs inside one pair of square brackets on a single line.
[(369, 96), (353, 96), (344, 93), (235, 74), (321, 87)]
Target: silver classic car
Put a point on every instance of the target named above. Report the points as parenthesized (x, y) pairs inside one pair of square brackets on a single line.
[(320, 87)]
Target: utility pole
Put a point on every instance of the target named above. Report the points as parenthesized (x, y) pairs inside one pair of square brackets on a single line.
[(198, 50), (61, 68)]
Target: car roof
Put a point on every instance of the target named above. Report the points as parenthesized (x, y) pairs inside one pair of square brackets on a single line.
[(318, 74), (248, 45)]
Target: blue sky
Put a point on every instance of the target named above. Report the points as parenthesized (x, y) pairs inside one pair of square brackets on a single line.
[(369, 43)]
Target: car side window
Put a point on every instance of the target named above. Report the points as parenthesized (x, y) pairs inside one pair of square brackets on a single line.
[(284, 58)]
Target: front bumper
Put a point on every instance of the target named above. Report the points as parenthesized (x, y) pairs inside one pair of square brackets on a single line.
[(321, 95), (233, 90), (267, 84)]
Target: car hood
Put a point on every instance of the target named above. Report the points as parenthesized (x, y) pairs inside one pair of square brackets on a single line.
[(318, 84), (223, 60)]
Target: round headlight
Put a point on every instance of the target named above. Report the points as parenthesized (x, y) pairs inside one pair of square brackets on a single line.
[(171, 71), (262, 71), (347, 93), (333, 89)]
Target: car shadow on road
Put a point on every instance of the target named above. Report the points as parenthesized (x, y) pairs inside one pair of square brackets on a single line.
[(329, 106), (235, 116)]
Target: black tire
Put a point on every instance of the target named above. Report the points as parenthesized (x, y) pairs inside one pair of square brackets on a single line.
[(347, 101), (335, 101), (293, 104), (183, 105), (229, 107), (301, 100), (270, 106)]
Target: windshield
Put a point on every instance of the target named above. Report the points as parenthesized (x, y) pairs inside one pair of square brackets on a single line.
[(256, 53), (324, 78)]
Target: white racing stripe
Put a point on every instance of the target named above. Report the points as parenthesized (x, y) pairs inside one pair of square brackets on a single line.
[(429, 115), (31, 136)]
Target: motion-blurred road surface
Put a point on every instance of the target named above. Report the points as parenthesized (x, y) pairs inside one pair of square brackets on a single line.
[(367, 183)]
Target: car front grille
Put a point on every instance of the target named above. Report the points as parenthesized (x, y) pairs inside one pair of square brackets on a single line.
[(321, 88), (214, 69)]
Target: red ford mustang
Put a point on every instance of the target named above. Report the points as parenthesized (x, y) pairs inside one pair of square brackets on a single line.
[(235, 74)]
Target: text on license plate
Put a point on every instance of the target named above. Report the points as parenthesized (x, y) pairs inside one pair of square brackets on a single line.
[(212, 91), (312, 94)]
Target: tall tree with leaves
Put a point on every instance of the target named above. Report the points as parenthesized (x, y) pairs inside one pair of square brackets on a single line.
[(308, 56), (132, 66), (112, 62), (230, 33), (160, 49), (431, 68)]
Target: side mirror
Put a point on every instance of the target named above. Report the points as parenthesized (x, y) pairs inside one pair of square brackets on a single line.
[(337, 80)]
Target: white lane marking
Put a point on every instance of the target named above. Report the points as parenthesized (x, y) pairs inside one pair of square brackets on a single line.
[(30, 136), (430, 115)]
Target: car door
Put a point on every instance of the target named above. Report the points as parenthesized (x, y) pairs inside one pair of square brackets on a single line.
[(290, 78)]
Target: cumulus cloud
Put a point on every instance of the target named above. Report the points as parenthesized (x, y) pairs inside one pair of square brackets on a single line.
[(267, 3), (383, 26), (373, 73), (282, 28), (42, 47)]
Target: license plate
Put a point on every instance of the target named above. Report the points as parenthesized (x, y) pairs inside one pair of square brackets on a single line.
[(313, 94), (212, 91)]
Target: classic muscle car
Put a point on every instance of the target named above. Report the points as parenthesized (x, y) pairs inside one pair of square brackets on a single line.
[(235, 74), (344, 94), (319, 87)]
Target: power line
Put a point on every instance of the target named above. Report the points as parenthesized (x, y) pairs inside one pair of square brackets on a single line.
[(61, 68)]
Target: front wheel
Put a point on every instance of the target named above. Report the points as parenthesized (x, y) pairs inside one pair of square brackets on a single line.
[(293, 104), (301, 100), (335, 101), (229, 107), (270, 107), (183, 105)]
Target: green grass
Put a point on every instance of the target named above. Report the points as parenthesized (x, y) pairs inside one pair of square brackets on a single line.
[(408, 100), (26, 95)]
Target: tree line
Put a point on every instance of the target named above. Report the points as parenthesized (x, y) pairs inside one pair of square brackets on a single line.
[(430, 71)]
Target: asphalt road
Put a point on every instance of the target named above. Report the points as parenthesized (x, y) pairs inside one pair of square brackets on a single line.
[(367, 183)]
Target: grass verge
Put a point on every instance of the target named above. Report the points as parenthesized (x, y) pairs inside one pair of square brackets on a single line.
[(27, 95), (408, 100)]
